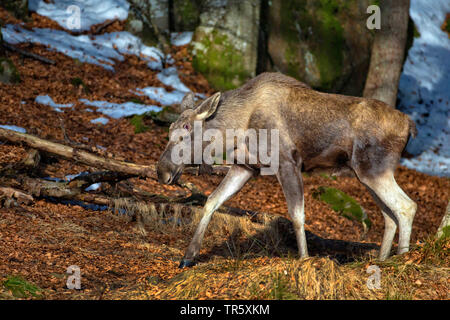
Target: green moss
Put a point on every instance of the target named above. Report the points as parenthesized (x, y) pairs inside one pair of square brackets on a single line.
[(329, 53), (219, 61), (343, 204), (186, 14), (291, 56), (317, 26), (138, 122), (446, 232), (21, 288), (417, 33)]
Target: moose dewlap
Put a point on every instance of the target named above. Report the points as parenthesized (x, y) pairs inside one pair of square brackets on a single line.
[(312, 130)]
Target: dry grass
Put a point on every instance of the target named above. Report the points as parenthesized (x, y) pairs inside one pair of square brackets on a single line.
[(312, 278), (258, 265)]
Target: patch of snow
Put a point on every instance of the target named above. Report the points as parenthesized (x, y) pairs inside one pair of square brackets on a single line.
[(79, 15), (46, 100), (181, 38), (424, 89), (118, 110), (93, 186), (13, 128), (169, 77), (70, 177), (102, 50), (101, 120), (161, 95)]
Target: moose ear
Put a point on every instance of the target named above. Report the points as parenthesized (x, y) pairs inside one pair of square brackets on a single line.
[(208, 107), (187, 102)]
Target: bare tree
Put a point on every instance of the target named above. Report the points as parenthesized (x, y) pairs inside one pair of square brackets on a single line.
[(388, 52)]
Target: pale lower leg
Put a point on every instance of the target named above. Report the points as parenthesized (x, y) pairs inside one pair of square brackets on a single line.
[(291, 181), (231, 184)]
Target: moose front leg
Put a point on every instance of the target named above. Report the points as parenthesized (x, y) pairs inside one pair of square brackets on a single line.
[(230, 185), (291, 182)]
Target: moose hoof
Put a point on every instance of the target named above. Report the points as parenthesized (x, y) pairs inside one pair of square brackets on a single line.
[(187, 263)]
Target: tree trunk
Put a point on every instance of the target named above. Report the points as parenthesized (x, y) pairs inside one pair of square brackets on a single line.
[(444, 228), (149, 20), (388, 52)]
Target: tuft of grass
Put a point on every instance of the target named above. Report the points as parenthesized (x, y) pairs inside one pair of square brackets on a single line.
[(77, 82), (138, 122), (280, 288), (436, 251), (20, 288)]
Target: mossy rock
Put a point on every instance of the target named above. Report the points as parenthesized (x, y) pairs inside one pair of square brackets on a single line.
[(324, 43), (219, 61), (8, 71), (224, 46), (186, 14)]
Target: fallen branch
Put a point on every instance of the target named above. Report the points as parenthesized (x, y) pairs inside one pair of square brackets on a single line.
[(24, 53), (78, 155), (87, 158), (11, 194), (100, 27)]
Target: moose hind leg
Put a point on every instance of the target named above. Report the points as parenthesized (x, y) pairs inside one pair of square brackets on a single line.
[(291, 182), (235, 179), (402, 207), (390, 227)]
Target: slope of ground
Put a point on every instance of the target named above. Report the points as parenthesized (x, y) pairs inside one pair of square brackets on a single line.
[(122, 258)]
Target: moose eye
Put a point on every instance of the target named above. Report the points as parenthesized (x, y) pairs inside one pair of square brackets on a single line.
[(187, 127)]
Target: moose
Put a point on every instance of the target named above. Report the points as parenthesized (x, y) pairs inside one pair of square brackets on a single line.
[(317, 131)]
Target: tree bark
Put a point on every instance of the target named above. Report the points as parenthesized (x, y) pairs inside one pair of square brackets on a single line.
[(388, 52), (444, 228)]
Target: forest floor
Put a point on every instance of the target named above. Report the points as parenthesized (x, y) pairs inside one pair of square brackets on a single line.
[(121, 258)]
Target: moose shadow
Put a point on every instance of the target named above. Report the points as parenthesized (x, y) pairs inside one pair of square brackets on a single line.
[(277, 239)]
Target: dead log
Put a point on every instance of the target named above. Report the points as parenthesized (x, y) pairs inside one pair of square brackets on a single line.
[(11, 194), (78, 155), (87, 158)]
